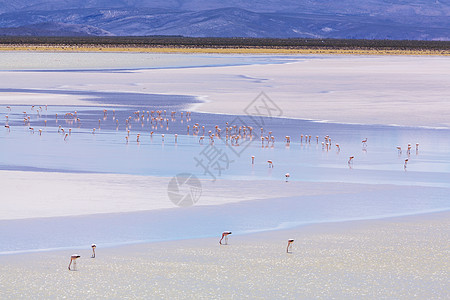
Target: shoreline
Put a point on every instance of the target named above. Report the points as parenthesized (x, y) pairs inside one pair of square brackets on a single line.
[(307, 227), (198, 50), (398, 257)]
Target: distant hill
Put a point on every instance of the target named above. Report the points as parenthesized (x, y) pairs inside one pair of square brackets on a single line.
[(370, 19)]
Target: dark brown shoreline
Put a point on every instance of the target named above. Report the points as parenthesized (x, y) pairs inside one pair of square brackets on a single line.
[(227, 43)]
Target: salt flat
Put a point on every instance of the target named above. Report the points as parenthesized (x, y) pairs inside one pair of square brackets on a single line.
[(69, 205), (349, 89), (393, 258)]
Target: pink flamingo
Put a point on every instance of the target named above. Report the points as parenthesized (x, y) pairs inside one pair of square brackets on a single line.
[(93, 250), (73, 259), (364, 142), (289, 245), (287, 175), (225, 235)]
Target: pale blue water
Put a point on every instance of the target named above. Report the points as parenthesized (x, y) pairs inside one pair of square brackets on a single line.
[(423, 187)]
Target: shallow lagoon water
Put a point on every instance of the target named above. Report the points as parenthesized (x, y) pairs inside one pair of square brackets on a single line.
[(85, 151), (423, 186), (426, 180)]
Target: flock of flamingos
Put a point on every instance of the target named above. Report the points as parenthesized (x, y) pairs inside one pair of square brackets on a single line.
[(232, 134)]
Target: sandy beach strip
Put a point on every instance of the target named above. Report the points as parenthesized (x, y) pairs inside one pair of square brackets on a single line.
[(401, 258), (218, 50)]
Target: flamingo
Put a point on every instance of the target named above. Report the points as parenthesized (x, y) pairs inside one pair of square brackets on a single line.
[(176, 138), (399, 150), (288, 139), (253, 160), (289, 245), (7, 127), (338, 147), (93, 250), (364, 142), (73, 259), (40, 131), (93, 130), (406, 162), (287, 175), (65, 137), (270, 163), (350, 160), (225, 235)]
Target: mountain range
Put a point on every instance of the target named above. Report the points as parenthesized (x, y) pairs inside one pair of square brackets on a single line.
[(370, 19)]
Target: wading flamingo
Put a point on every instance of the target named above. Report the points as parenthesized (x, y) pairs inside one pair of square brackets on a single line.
[(364, 142), (73, 259), (93, 250), (289, 245), (270, 163), (287, 175), (225, 235)]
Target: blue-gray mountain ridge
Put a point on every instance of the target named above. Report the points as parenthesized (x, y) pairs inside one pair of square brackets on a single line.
[(370, 19)]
